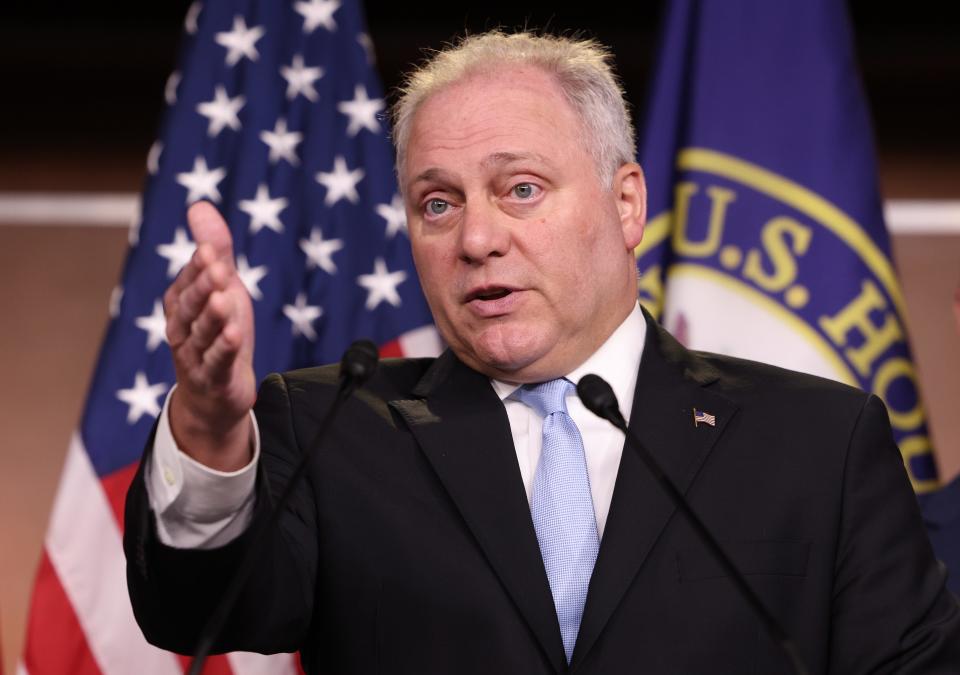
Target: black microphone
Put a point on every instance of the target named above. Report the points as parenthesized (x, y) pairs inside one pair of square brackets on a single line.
[(358, 364), (598, 397)]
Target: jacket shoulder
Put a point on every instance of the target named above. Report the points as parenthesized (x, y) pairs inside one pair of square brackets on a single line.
[(394, 378), (752, 380), (747, 380)]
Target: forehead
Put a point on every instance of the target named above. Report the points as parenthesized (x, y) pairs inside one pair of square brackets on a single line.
[(507, 115)]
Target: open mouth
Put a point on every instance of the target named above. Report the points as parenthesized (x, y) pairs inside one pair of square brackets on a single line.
[(490, 294)]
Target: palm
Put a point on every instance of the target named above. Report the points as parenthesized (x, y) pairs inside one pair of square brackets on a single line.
[(239, 391), (211, 334)]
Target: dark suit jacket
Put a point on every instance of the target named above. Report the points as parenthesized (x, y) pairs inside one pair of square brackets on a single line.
[(410, 547)]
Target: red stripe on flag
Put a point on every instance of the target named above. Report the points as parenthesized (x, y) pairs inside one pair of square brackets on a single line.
[(391, 349), (116, 485), (215, 665), (55, 642)]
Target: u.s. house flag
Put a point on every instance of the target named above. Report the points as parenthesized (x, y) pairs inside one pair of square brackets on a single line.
[(766, 238), (276, 116)]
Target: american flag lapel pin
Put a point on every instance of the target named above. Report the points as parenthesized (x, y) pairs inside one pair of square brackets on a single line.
[(703, 417)]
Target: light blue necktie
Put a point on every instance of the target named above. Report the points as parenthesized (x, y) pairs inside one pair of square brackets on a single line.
[(561, 506)]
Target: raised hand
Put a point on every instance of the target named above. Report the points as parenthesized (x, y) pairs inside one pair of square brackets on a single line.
[(210, 330)]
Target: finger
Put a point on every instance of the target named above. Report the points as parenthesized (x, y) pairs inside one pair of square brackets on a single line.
[(208, 227), (207, 326), (201, 259), (204, 331), (191, 302), (186, 358), (218, 360)]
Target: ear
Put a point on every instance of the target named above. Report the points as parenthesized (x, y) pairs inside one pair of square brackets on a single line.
[(630, 191)]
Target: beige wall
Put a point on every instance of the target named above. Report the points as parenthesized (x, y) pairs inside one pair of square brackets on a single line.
[(55, 283), (930, 272)]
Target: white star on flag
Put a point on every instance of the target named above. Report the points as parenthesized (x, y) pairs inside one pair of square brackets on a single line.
[(341, 182), (177, 252), (264, 212), (153, 157), (170, 89), (202, 182), (362, 111), (282, 143), (221, 111), (251, 276), (302, 316), (395, 216), (319, 251), (193, 13), (241, 41), (142, 397), (253, 121), (382, 284), (318, 13), (155, 324), (300, 79)]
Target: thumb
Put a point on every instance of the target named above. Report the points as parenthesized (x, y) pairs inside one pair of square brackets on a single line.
[(208, 227)]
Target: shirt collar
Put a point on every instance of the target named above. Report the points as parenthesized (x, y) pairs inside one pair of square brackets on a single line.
[(617, 361)]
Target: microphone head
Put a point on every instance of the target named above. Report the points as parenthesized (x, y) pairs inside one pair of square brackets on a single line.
[(359, 362), (598, 397)]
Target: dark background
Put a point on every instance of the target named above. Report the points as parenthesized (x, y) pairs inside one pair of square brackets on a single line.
[(90, 76)]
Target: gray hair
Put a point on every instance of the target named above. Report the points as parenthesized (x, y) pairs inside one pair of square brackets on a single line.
[(581, 68)]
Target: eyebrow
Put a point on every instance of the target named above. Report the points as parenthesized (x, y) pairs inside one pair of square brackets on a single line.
[(501, 158), (493, 160), (430, 175)]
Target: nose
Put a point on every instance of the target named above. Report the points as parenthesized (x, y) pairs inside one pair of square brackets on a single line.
[(484, 232)]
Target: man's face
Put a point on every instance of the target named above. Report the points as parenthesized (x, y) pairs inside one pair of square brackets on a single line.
[(525, 258)]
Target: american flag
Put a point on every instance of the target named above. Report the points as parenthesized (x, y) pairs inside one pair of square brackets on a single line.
[(277, 117), (701, 417)]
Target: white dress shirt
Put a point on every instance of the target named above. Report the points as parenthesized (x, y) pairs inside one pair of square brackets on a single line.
[(199, 507)]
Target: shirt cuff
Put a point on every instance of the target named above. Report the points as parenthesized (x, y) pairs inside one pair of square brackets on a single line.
[(196, 506)]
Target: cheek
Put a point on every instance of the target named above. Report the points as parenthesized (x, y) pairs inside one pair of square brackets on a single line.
[(565, 254), (433, 264)]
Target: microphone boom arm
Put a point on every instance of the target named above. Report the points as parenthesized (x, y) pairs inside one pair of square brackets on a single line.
[(598, 397), (358, 364)]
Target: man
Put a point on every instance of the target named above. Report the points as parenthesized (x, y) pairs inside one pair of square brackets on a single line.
[(424, 540)]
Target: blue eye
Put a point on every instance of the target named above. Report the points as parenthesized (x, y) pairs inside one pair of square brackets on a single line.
[(437, 207), (524, 190)]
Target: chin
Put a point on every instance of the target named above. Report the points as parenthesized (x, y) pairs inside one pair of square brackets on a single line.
[(509, 356)]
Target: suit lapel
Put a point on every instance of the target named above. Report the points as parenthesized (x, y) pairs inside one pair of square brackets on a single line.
[(462, 428), (670, 384)]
